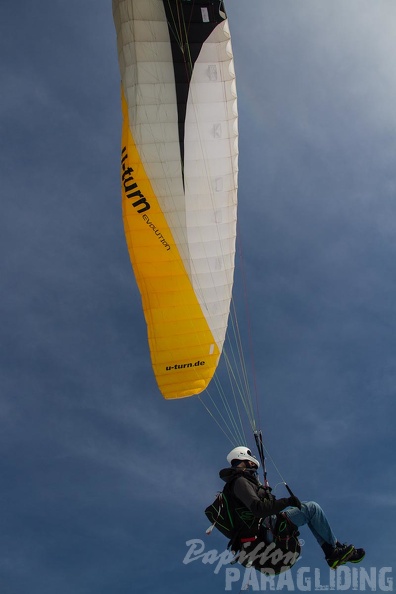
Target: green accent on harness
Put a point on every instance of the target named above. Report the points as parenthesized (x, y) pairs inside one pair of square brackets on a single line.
[(228, 510)]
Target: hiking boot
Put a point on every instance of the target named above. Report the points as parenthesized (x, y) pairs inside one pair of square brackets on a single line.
[(340, 555), (356, 556)]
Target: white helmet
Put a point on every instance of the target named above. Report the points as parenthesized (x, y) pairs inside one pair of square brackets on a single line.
[(242, 453)]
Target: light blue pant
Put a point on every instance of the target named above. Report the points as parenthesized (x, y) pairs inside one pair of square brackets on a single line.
[(313, 516)]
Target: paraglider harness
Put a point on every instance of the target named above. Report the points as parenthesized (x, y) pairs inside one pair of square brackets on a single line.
[(269, 544)]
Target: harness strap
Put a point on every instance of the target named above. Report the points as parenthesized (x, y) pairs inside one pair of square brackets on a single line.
[(251, 539)]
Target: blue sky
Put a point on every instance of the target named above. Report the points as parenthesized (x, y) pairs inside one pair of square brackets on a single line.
[(103, 482)]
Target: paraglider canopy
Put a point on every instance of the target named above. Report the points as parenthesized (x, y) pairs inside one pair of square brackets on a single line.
[(179, 179)]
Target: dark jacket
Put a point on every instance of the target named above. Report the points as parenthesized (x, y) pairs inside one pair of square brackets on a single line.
[(247, 489)]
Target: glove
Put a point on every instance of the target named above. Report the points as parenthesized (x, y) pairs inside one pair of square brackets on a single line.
[(294, 502)]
